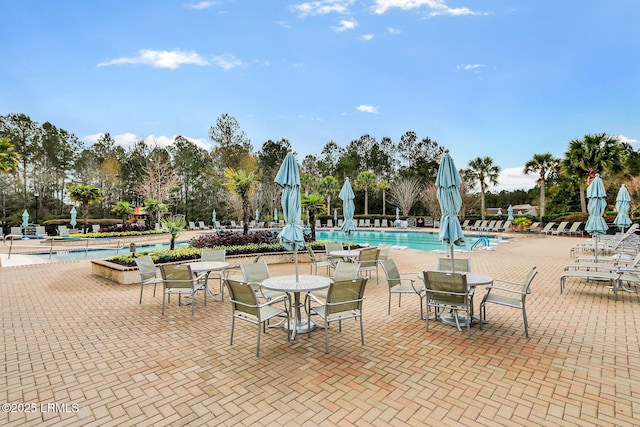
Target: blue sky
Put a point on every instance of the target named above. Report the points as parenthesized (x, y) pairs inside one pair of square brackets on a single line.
[(503, 78)]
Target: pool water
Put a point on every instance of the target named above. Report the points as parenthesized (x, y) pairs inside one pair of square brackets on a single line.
[(424, 241)]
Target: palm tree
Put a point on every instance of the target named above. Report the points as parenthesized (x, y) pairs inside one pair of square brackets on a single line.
[(480, 170), (123, 209), (384, 185), (87, 195), (313, 203), (9, 158), (365, 181), (155, 208), (541, 163), (329, 186), (591, 155), (175, 226), (242, 184)]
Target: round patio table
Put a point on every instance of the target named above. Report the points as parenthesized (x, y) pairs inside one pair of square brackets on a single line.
[(208, 267), (289, 284), (347, 255)]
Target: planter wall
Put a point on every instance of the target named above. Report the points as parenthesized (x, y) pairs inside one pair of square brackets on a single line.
[(129, 275)]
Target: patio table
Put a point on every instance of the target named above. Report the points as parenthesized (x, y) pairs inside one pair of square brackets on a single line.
[(289, 284), (347, 255), (208, 267)]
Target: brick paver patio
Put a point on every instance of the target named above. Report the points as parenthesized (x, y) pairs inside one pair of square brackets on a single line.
[(73, 339)]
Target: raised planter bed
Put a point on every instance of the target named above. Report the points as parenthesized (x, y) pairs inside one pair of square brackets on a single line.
[(129, 275)]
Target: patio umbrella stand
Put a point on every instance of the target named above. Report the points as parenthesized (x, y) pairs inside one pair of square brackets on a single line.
[(447, 182), (596, 225), (348, 209)]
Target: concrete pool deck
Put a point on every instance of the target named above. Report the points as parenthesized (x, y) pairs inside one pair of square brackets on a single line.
[(85, 344)]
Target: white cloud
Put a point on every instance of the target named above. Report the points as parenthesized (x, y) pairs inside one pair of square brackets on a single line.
[(345, 25), (470, 66), (367, 37), (322, 7), (511, 179), (393, 31), (627, 140), (160, 59), (227, 61), (367, 109), (201, 5), (437, 7)]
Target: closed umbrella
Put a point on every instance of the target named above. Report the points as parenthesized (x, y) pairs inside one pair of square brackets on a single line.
[(291, 236), (397, 217), (447, 182), (348, 208), (275, 214), (213, 217), (596, 224), (25, 219), (335, 216), (622, 206), (257, 216), (510, 213), (74, 213)]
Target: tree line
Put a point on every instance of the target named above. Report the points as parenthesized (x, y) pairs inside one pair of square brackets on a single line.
[(236, 180)]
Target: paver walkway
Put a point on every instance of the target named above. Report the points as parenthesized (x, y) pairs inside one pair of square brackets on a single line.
[(74, 340)]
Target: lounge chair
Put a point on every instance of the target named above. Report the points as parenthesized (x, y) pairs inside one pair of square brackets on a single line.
[(376, 223), (318, 223), (361, 223), (329, 223), (384, 223), (63, 231), (547, 228), (192, 225), (560, 229), (465, 224), (367, 223), (201, 225), (574, 230)]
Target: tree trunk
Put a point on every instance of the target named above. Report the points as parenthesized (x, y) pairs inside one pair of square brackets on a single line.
[(245, 215), (583, 201), (366, 202), (542, 198)]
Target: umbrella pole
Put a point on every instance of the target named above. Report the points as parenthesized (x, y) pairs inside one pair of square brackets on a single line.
[(453, 268), (596, 254), (295, 260)]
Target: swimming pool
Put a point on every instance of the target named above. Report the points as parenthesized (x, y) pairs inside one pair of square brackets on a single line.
[(424, 241)]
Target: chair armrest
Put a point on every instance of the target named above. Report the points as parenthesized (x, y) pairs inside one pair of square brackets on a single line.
[(513, 291), (505, 281)]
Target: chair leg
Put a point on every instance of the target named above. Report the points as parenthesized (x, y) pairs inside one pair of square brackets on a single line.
[(326, 337), (526, 323), (142, 288), (258, 345), (361, 330), (233, 324)]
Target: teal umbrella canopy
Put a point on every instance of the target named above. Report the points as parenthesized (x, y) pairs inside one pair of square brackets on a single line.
[(622, 206), (25, 218), (348, 209), (510, 213), (447, 182), (288, 177), (596, 194), (74, 214)]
